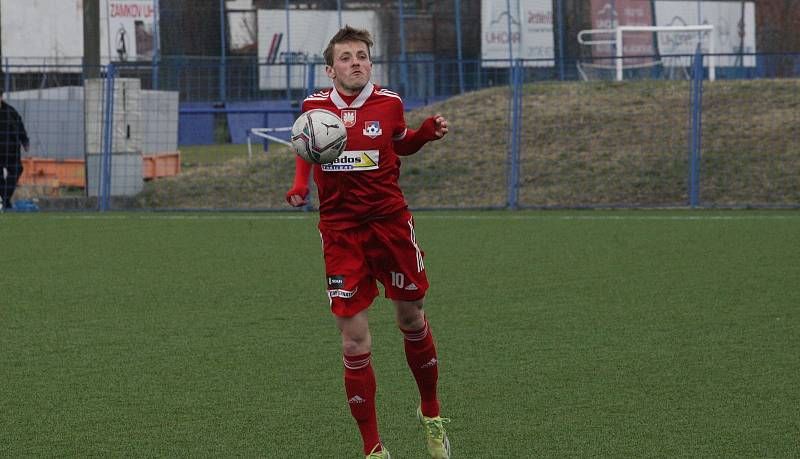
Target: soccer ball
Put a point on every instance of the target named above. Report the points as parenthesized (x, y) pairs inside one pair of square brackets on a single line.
[(319, 136)]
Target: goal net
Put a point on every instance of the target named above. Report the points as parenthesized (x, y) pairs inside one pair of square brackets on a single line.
[(645, 52)]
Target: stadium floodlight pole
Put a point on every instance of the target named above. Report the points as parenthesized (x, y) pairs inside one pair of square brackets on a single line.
[(458, 48)]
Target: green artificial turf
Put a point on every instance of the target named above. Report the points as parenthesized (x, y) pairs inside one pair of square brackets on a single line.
[(560, 334)]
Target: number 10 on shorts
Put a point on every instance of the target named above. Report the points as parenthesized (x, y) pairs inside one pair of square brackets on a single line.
[(398, 279)]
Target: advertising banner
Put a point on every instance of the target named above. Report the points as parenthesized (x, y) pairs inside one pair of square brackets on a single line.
[(608, 14), (130, 30), (733, 27), (531, 34), (310, 31), (50, 32), (41, 32)]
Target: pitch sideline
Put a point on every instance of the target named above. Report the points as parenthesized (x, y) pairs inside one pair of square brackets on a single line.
[(417, 215)]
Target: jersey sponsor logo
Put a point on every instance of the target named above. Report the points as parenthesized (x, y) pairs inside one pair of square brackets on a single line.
[(354, 161), (349, 118), (335, 281), (372, 129), (341, 293)]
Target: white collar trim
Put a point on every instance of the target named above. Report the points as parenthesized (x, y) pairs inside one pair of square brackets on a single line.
[(357, 103)]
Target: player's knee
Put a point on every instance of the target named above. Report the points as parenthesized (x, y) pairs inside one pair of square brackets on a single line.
[(410, 315), (412, 306), (355, 344)]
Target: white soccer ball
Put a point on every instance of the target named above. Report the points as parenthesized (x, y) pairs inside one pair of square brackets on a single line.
[(319, 136)]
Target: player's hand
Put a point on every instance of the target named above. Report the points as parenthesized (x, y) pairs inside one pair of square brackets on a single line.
[(296, 197), (441, 125)]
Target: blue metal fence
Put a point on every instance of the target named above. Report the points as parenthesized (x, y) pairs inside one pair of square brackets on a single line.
[(696, 136), (521, 136)]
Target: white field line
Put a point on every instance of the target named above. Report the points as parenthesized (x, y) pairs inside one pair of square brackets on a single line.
[(418, 216)]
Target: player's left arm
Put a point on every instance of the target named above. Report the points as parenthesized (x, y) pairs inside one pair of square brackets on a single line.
[(433, 128)]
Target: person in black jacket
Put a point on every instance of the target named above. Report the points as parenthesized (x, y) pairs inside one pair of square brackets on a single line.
[(12, 137)]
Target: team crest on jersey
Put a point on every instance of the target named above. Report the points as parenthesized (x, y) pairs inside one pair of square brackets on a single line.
[(372, 129), (349, 118)]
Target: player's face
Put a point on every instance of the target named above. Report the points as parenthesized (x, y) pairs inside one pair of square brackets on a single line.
[(352, 68)]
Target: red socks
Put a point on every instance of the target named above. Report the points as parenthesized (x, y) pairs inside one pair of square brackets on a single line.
[(359, 384), (421, 358)]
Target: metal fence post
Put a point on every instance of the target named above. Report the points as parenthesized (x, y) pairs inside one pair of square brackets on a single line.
[(403, 55), (560, 13), (310, 86), (458, 48), (513, 160), (223, 64), (696, 131), (156, 46), (287, 59), (108, 140), (7, 80), (510, 35)]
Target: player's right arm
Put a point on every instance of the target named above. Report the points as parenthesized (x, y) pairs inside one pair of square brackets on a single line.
[(297, 196), (299, 192)]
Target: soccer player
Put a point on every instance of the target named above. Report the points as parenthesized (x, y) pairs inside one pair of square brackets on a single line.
[(368, 234)]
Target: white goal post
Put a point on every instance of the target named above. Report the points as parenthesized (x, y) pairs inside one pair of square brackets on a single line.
[(264, 133), (619, 36)]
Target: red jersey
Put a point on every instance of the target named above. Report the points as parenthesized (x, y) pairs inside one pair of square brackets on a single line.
[(362, 184)]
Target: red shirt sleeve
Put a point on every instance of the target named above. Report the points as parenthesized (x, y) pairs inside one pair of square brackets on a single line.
[(302, 171), (399, 131), (413, 140)]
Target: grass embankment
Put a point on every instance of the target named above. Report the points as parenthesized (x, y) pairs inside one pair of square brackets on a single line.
[(580, 144)]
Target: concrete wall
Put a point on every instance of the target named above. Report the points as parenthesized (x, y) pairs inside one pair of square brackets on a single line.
[(54, 119), (55, 127), (159, 121)]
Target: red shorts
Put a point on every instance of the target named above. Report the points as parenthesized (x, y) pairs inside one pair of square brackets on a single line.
[(384, 250)]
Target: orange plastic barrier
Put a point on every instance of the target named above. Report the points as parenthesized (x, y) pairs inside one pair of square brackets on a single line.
[(72, 172), (48, 171), (162, 165)]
